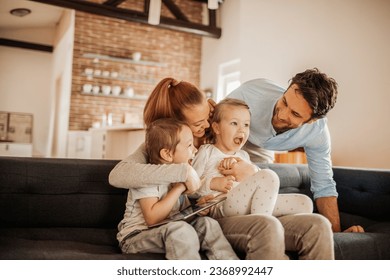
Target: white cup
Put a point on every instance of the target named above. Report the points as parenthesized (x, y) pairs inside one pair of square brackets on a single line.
[(106, 89), (137, 56), (96, 124), (88, 71), (106, 73), (116, 90), (114, 74), (129, 92), (95, 89), (87, 88)]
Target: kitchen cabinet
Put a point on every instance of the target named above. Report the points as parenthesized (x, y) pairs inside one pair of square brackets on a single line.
[(115, 142), (79, 144), (16, 149)]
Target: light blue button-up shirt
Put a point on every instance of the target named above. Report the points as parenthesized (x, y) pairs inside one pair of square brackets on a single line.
[(261, 96)]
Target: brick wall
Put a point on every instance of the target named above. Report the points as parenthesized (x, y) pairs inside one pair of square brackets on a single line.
[(176, 54)]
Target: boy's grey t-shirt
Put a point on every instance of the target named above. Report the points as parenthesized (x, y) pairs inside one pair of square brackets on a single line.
[(133, 218)]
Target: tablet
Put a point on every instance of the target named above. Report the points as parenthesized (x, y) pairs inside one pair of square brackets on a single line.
[(191, 210)]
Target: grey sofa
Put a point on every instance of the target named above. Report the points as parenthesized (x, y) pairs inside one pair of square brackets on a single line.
[(66, 209)]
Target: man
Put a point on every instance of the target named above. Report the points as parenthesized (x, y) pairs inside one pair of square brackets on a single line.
[(284, 120)]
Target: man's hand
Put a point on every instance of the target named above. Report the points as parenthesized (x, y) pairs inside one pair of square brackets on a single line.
[(222, 184), (193, 182), (240, 170), (328, 207), (354, 229)]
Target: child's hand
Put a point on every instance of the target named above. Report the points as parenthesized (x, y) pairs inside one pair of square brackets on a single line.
[(222, 184), (227, 163), (203, 200), (240, 170)]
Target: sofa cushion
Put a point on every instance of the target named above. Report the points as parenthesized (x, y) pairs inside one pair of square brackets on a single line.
[(63, 244), (294, 178), (358, 246)]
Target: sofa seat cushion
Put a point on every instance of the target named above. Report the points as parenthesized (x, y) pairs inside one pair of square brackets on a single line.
[(362, 246), (63, 244)]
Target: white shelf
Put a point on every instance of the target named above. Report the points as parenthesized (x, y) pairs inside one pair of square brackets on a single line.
[(123, 60), (121, 78), (100, 94)]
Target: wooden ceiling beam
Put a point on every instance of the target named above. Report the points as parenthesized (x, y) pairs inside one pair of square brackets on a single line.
[(180, 24), (114, 3), (175, 10), (25, 45)]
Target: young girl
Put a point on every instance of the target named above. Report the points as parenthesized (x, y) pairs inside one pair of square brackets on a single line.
[(169, 141), (257, 194)]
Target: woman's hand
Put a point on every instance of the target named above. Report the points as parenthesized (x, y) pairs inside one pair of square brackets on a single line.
[(193, 182), (222, 184), (239, 170), (211, 106)]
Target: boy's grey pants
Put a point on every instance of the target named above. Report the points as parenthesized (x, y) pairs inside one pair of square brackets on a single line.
[(182, 241)]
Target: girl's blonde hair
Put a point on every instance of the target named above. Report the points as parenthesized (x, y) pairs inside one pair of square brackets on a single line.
[(169, 98)]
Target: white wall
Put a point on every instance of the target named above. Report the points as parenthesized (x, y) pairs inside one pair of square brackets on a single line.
[(28, 82), (225, 49), (24, 88), (348, 39)]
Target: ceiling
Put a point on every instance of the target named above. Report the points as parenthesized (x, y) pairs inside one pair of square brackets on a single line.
[(42, 15)]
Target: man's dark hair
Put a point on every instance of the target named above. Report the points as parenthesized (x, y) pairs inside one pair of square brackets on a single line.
[(319, 90)]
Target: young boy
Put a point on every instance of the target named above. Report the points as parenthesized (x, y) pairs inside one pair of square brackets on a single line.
[(169, 141), (256, 194)]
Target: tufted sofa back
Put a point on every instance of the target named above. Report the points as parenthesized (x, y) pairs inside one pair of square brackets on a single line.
[(48, 192), (364, 192)]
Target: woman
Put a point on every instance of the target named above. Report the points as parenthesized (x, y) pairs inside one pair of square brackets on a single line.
[(255, 236)]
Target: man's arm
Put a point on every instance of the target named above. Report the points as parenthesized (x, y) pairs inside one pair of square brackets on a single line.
[(322, 183), (327, 206)]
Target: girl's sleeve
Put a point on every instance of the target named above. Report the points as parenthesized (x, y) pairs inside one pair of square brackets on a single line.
[(135, 172)]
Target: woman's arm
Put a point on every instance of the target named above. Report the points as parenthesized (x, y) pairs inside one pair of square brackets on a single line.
[(155, 210), (135, 172)]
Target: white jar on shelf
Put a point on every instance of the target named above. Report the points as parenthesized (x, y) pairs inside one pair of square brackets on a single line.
[(95, 89), (116, 90), (137, 56), (87, 88), (129, 92), (106, 89)]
